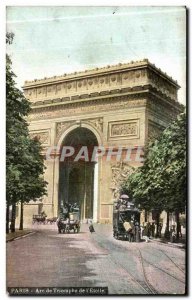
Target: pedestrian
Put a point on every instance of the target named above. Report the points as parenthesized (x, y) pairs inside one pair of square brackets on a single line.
[(146, 233), (131, 235), (133, 231), (137, 232), (153, 229), (172, 234), (141, 231), (159, 229), (148, 229), (179, 230), (91, 228)]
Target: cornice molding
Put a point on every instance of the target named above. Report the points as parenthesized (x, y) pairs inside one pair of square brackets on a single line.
[(61, 102), (100, 71)]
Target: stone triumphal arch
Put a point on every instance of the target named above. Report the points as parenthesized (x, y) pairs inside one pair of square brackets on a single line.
[(115, 106)]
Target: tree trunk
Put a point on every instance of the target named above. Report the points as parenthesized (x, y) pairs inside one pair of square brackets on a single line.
[(21, 217), (167, 232), (7, 217), (13, 217), (157, 222), (178, 224)]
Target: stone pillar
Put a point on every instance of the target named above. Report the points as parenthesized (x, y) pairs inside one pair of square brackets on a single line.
[(95, 193), (55, 194)]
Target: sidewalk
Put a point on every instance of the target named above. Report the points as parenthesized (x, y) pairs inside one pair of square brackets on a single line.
[(17, 234)]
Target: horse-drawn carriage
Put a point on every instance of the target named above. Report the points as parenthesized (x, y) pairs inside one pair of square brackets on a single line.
[(69, 219), (42, 219), (39, 219)]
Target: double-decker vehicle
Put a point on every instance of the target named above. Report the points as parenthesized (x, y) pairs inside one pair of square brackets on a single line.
[(126, 220)]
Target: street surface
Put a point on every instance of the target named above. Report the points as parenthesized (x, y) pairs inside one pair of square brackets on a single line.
[(49, 259)]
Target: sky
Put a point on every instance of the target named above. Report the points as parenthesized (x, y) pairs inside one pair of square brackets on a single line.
[(52, 41)]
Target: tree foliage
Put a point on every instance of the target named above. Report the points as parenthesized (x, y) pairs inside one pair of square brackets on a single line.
[(161, 182), (24, 163)]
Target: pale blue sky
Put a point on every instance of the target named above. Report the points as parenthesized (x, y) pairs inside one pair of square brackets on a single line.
[(56, 40)]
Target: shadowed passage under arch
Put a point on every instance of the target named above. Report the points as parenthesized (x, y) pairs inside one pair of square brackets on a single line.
[(77, 178)]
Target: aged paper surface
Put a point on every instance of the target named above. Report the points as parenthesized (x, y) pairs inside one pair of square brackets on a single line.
[(102, 82)]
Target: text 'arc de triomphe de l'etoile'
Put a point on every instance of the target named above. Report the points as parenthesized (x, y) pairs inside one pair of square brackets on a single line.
[(115, 106)]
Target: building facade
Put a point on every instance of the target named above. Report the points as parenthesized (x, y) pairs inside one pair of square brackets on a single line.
[(116, 108)]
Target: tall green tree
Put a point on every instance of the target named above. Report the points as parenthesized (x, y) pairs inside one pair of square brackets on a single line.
[(24, 163), (32, 185), (161, 182)]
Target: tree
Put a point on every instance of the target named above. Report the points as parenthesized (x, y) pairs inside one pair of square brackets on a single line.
[(31, 184), (24, 163), (161, 182)]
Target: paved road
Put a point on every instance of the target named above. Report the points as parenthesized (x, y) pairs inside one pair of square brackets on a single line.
[(49, 259)]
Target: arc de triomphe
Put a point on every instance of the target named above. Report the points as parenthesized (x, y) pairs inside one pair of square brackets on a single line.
[(115, 106)]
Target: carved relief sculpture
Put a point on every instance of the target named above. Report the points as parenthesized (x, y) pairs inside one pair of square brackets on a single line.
[(61, 127), (42, 136), (97, 123), (126, 128), (154, 130), (120, 171)]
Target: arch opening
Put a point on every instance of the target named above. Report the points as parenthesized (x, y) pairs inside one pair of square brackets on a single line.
[(78, 174)]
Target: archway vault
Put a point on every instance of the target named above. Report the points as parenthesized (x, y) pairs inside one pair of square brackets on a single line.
[(80, 124), (78, 179)]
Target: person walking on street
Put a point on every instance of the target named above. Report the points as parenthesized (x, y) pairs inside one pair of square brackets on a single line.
[(146, 233), (159, 229), (179, 230), (137, 232), (172, 234), (141, 231), (133, 232), (148, 229), (91, 228), (153, 229), (131, 235)]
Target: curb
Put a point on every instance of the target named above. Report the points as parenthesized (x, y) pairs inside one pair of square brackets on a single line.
[(21, 237), (169, 244)]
